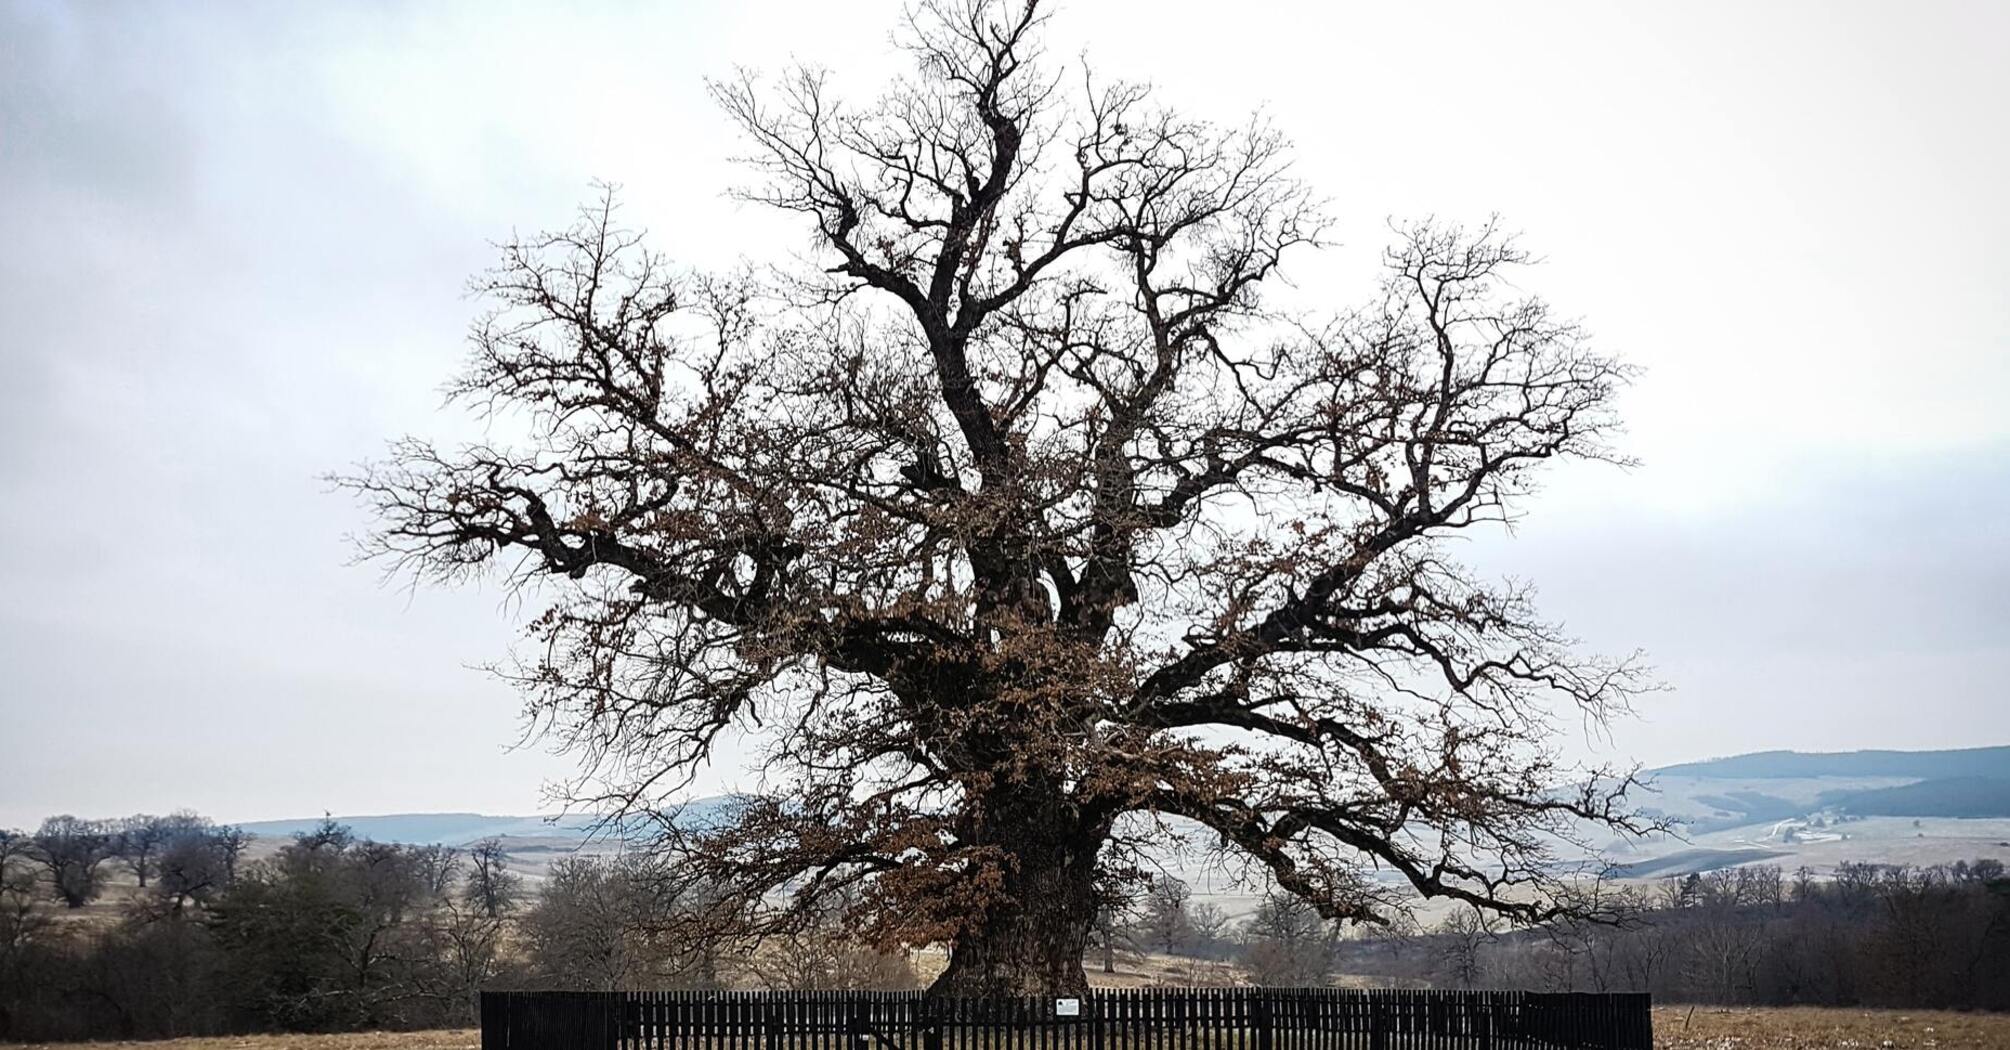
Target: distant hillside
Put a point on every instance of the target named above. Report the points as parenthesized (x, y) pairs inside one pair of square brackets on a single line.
[(1693, 861), (1968, 762), (1770, 786), (447, 829), (1788, 807), (460, 829), (1966, 797)]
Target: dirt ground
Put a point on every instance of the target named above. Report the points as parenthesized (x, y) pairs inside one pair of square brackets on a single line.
[(1807, 1028)]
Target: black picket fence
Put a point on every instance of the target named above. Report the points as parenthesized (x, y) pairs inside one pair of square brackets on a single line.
[(1146, 1019)]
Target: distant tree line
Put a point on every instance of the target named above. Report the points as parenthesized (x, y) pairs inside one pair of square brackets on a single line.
[(1284, 941), (335, 933), (1869, 935), (329, 932), (183, 856)]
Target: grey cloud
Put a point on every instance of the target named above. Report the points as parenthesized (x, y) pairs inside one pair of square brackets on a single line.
[(1851, 604), (236, 236)]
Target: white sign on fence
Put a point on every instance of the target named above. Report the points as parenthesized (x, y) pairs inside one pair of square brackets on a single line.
[(1067, 1008)]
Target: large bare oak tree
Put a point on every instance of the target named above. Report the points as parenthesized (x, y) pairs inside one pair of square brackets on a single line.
[(1023, 517)]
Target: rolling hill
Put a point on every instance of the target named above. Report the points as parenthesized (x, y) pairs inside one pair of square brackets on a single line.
[(1915, 765), (1772, 786), (1788, 808), (428, 829), (461, 829)]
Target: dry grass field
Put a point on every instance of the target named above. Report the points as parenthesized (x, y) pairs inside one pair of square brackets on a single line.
[(1807, 1028), (1675, 1028)]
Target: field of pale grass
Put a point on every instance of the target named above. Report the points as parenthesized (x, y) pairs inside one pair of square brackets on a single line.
[(1809, 1028)]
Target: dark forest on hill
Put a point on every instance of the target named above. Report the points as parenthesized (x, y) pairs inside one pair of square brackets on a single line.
[(1872, 935)]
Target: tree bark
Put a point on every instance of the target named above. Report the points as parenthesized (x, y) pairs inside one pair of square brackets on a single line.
[(1032, 941)]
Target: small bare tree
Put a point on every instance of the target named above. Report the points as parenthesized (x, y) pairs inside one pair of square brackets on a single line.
[(1401, 933), (193, 870), (1208, 929), (1462, 938), (1723, 953), (1581, 947), (1115, 936), (490, 885), (609, 924), (824, 955), (1289, 943), (470, 943), (21, 922), (74, 852), (231, 841), (1165, 922), (138, 841), (439, 866)]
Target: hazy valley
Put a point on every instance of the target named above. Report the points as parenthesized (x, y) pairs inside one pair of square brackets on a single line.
[(1786, 808)]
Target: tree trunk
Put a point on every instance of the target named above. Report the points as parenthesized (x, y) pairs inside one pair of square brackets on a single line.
[(1032, 942)]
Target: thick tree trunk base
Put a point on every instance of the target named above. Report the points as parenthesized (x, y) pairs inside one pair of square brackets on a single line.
[(1030, 970), (1034, 942)]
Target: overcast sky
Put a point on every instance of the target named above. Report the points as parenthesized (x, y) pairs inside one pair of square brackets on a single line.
[(234, 237)]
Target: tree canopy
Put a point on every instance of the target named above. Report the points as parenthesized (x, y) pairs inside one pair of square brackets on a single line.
[(1023, 515)]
